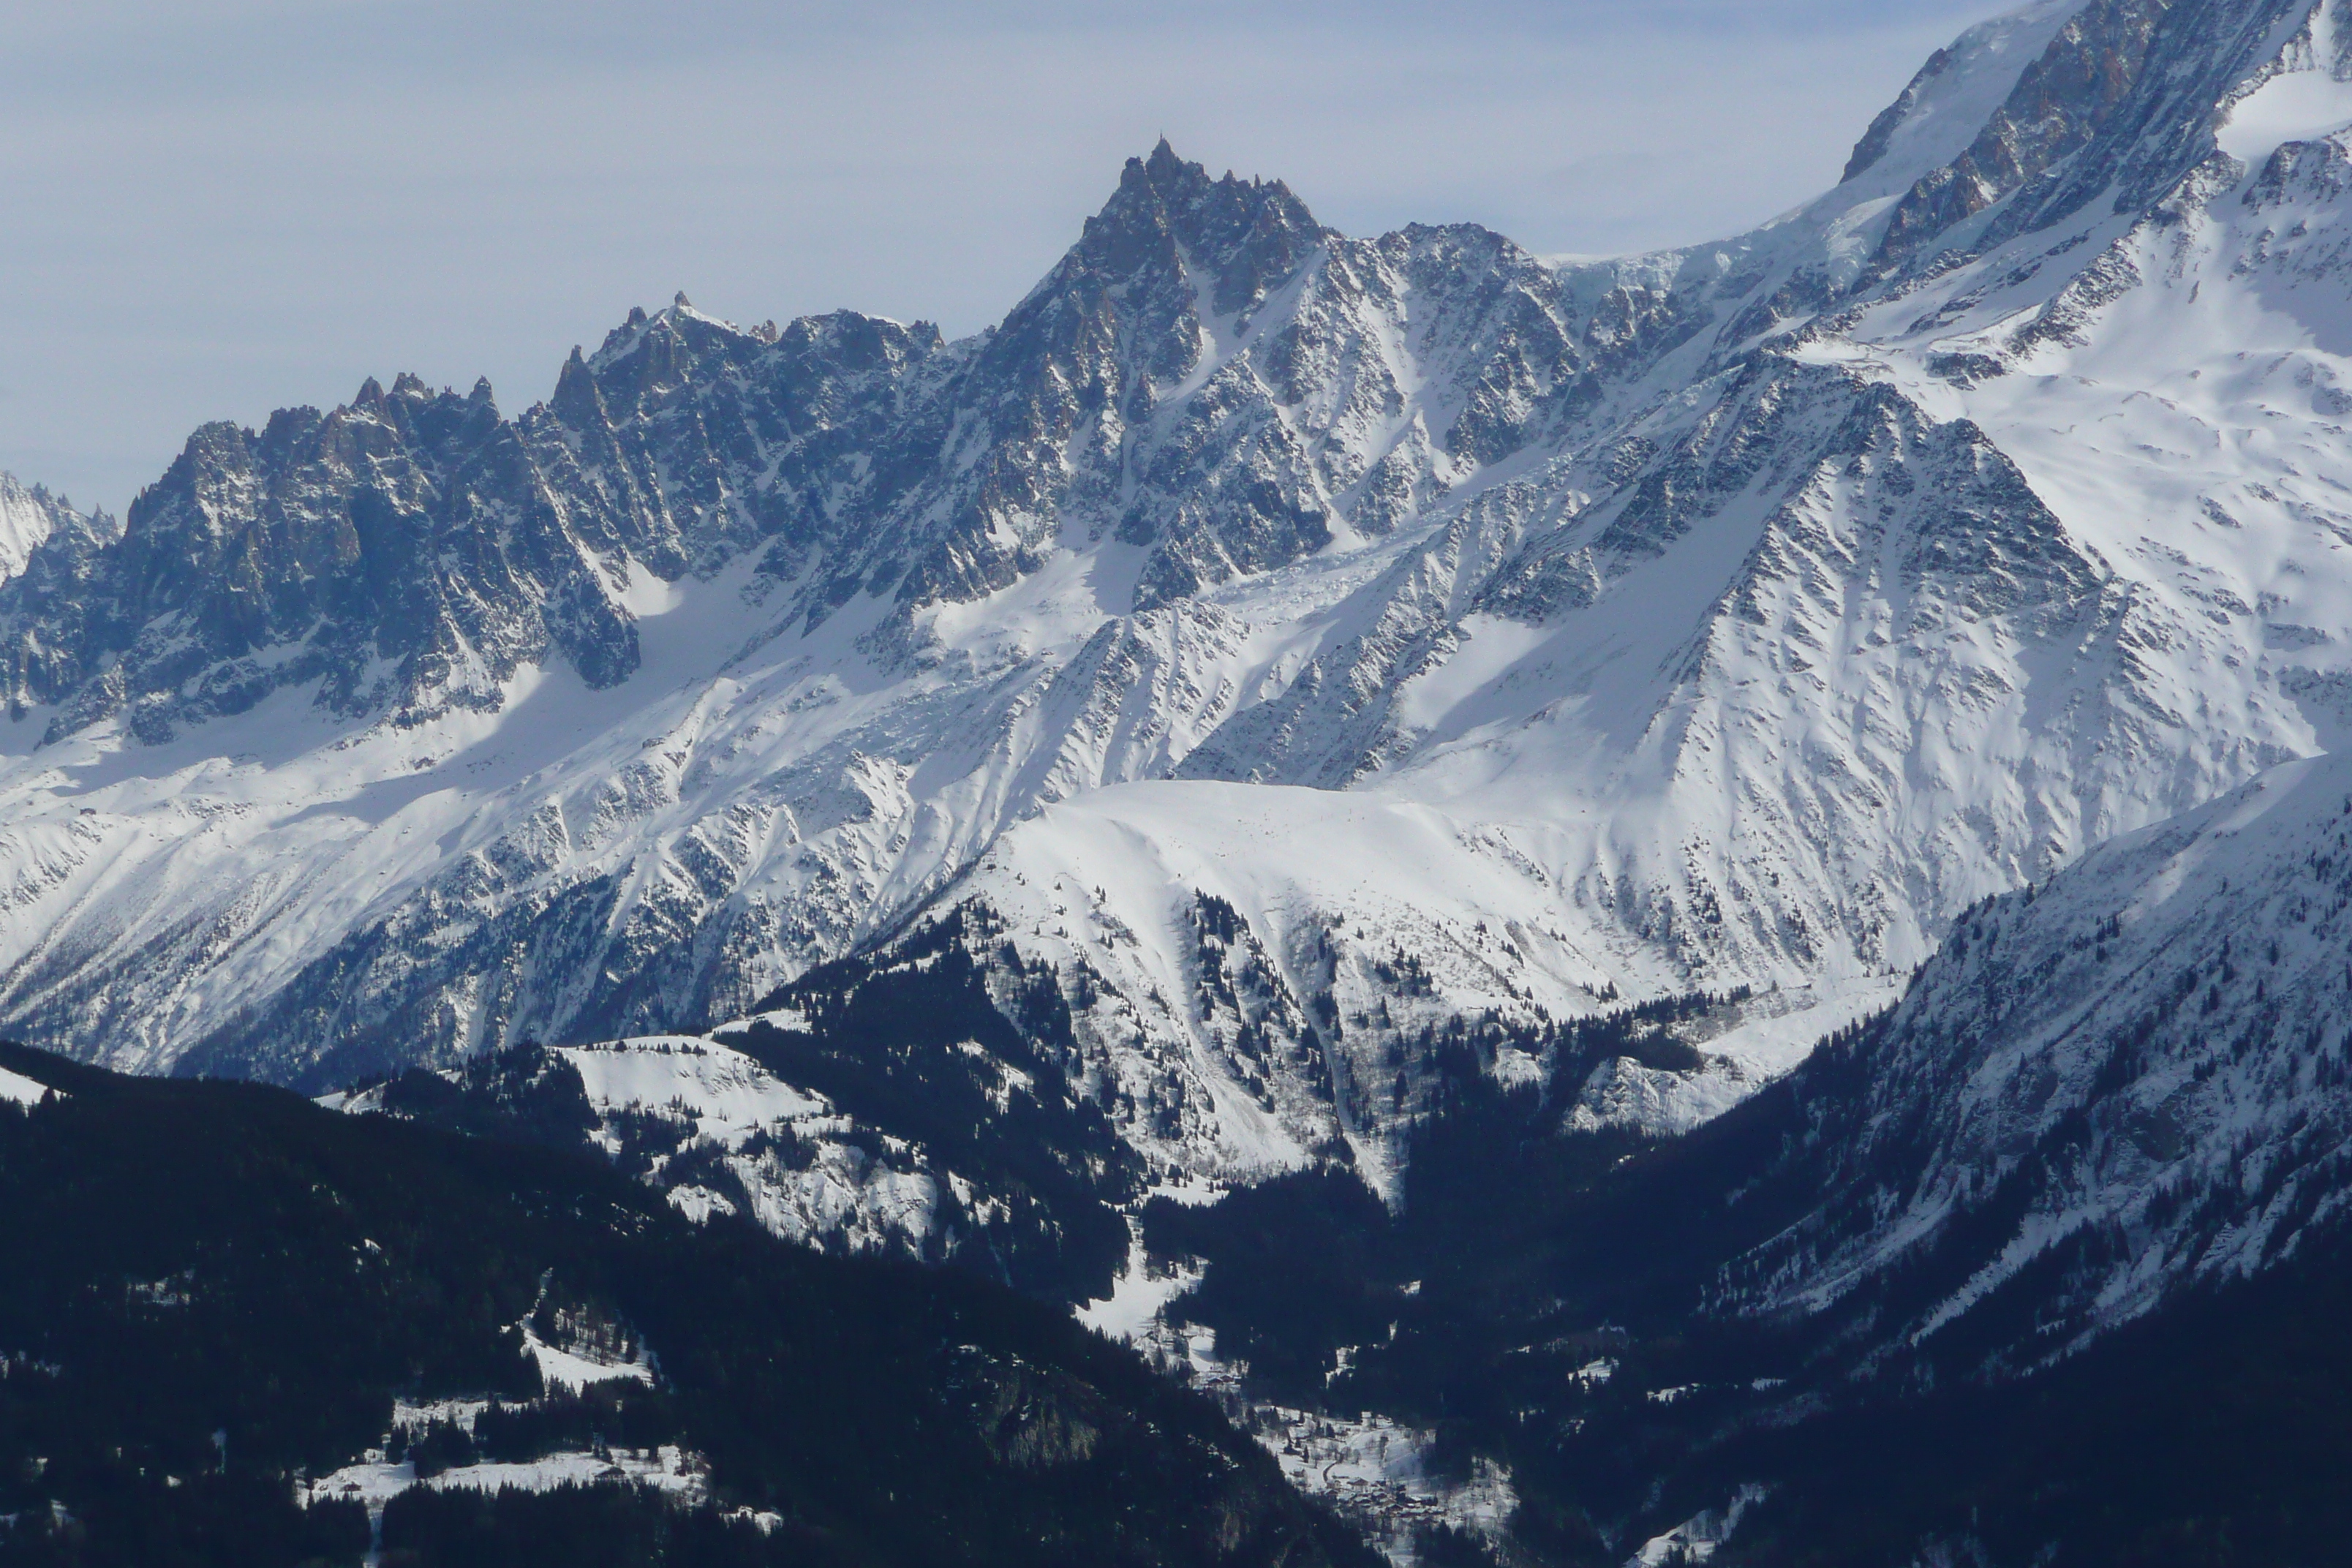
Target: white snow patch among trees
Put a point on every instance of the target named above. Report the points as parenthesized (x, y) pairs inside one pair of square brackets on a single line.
[(22, 1090)]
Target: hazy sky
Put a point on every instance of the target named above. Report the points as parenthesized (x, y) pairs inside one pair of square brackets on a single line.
[(210, 209)]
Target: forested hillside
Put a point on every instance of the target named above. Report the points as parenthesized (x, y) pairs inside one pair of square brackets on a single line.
[(214, 1293)]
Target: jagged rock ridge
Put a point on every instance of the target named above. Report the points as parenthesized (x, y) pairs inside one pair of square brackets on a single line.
[(1256, 609)]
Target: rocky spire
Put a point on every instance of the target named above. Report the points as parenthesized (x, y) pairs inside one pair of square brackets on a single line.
[(1246, 235), (576, 402)]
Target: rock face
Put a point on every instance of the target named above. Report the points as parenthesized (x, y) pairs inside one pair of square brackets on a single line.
[(1286, 641)]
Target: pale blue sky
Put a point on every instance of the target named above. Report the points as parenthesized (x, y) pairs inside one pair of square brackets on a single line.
[(212, 207)]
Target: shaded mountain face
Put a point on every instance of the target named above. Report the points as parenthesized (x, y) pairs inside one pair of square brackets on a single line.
[(2127, 1081), (1286, 643), (1568, 1335)]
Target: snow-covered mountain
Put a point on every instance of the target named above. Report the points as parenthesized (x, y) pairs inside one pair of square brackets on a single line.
[(29, 517), (2125, 1081), (1286, 641)]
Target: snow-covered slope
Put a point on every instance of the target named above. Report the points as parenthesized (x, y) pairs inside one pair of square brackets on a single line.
[(1284, 640), (720, 1135), (1955, 96), (30, 515), (27, 517), (2129, 1078), (18, 1089), (787, 1151)]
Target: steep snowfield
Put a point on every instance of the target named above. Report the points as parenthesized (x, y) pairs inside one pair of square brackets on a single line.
[(1951, 98), (1295, 640), (27, 519)]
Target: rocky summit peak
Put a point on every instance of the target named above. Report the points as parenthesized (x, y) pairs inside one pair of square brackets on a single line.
[(1165, 163), (1167, 179), (1170, 215), (2105, 101), (576, 402), (1955, 93)]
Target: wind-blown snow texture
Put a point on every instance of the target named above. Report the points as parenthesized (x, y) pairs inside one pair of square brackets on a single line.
[(1290, 638)]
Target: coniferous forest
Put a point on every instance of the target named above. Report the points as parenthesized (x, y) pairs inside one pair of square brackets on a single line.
[(216, 1293), (219, 1294)]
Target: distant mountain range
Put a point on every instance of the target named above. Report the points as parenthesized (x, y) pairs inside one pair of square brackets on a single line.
[(1734, 615), (1284, 704)]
